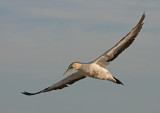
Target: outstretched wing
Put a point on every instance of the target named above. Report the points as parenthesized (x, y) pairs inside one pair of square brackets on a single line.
[(62, 84), (124, 43)]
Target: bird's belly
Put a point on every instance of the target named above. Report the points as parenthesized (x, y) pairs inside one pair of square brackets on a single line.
[(98, 73)]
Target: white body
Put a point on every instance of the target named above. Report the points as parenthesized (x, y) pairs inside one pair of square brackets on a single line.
[(95, 71)]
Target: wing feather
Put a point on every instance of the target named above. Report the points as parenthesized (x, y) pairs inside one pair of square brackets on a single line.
[(123, 44), (61, 84)]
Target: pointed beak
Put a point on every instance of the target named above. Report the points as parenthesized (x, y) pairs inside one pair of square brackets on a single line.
[(68, 70)]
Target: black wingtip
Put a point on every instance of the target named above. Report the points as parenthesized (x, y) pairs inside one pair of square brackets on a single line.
[(118, 81), (144, 13), (30, 94)]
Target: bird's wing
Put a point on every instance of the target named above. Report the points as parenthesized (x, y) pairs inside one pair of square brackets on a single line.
[(124, 43), (62, 84)]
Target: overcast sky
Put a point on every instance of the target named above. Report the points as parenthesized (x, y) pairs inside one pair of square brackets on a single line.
[(40, 38)]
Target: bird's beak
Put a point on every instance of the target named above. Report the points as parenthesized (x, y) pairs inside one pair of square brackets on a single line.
[(68, 70)]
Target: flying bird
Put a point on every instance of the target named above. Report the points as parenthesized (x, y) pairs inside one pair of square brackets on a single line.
[(98, 68)]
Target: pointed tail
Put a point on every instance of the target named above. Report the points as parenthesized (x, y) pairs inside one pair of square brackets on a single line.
[(118, 81)]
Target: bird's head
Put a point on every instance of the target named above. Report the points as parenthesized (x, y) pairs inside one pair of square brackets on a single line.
[(73, 66)]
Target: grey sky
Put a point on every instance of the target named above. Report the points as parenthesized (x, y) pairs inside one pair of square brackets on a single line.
[(39, 39)]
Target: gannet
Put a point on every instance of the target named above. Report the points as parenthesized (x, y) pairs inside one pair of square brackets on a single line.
[(98, 68)]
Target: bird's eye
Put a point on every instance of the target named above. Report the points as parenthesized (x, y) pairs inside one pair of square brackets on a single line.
[(70, 67)]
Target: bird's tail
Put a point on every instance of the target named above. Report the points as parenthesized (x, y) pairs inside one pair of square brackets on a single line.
[(118, 81)]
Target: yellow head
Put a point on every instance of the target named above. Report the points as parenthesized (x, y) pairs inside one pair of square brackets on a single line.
[(73, 66)]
